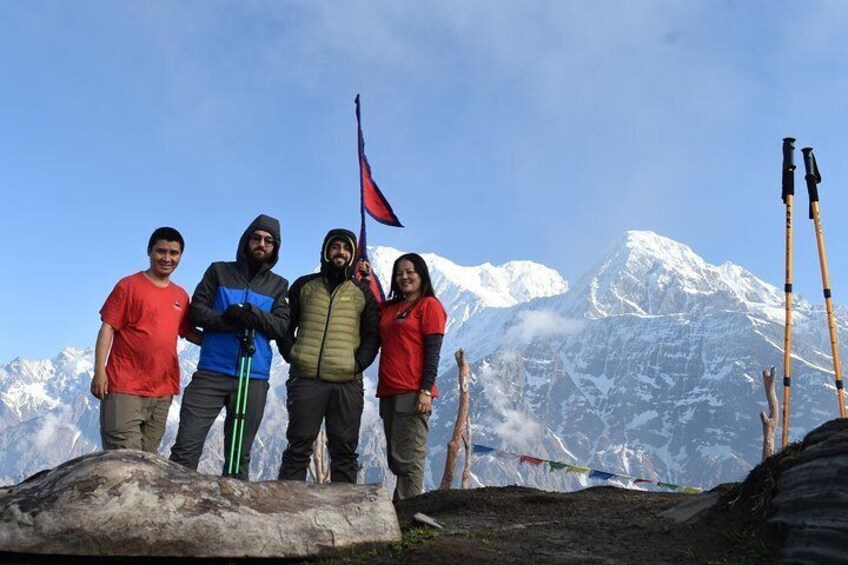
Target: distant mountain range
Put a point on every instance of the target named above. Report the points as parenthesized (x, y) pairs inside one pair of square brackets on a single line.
[(649, 366)]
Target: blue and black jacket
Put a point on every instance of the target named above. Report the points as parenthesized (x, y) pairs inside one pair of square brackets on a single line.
[(241, 282)]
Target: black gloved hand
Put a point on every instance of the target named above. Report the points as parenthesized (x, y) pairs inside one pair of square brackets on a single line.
[(233, 313), (250, 317)]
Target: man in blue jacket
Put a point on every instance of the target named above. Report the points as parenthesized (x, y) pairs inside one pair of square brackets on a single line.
[(231, 299)]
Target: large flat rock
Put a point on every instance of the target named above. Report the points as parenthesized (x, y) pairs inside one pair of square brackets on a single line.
[(130, 503)]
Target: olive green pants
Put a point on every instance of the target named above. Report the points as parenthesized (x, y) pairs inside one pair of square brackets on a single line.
[(406, 442), (133, 422)]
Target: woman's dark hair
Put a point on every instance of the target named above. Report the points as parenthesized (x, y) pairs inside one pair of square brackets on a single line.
[(168, 234), (420, 266)]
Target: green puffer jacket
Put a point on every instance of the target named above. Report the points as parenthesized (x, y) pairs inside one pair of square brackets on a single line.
[(333, 336)]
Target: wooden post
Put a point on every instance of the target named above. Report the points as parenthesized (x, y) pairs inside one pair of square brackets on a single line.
[(461, 430), (319, 467), (466, 438), (770, 420)]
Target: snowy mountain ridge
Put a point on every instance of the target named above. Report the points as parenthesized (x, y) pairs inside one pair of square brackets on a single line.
[(464, 291), (648, 274)]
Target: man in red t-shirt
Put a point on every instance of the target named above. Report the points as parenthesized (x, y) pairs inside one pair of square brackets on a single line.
[(142, 318)]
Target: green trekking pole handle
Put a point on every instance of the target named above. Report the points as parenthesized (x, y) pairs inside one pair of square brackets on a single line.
[(247, 350)]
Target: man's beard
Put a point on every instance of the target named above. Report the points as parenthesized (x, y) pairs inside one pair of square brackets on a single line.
[(259, 257)]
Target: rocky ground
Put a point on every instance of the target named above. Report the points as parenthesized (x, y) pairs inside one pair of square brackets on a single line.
[(604, 525)]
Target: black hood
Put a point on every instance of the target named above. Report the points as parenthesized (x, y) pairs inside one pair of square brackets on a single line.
[(345, 235), (264, 223)]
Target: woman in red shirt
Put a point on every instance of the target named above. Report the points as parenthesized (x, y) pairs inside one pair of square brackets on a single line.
[(412, 326)]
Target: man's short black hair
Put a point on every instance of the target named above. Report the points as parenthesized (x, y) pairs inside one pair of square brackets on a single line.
[(168, 234)]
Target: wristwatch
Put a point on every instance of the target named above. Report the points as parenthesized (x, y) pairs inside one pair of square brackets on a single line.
[(425, 391)]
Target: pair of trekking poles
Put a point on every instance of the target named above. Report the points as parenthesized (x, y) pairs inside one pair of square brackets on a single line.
[(813, 178), (246, 351)]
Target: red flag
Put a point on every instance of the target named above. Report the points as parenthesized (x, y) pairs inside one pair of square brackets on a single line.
[(373, 200), (362, 255), (531, 460)]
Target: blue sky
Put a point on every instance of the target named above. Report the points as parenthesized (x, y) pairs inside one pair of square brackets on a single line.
[(498, 131)]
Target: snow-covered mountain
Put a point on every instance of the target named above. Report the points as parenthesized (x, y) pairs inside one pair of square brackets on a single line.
[(646, 274), (648, 366), (467, 290)]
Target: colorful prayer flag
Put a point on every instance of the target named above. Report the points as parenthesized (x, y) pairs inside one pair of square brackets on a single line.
[(692, 490), (668, 485), (600, 475)]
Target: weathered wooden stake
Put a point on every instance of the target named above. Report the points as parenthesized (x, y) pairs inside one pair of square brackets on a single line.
[(461, 430), (466, 442), (319, 468), (770, 420)]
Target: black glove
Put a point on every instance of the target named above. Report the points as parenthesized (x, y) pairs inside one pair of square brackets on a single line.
[(233, 313), (250, 317)]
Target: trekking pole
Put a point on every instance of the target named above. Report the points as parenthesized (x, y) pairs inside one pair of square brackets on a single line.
[(813, 178), (245, 361), (788, 190)]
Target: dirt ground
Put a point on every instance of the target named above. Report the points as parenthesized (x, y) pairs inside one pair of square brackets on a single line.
[(596, 525), (601, 525)]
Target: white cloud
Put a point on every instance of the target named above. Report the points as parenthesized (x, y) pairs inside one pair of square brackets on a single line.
[(517, 429), (542, 323), (514, 427), (52, 423)]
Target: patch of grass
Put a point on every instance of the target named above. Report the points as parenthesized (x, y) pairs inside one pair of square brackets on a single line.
[(412, 538), (758, 549)]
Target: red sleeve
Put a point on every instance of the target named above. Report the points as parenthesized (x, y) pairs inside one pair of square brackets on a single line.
[(185, 324), (433, 317), (116, 307)]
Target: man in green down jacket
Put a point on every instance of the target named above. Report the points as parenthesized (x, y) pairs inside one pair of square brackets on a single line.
[(333, 337)]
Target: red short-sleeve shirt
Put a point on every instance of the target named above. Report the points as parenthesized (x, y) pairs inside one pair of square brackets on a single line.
[(147, 320), (402, 344)]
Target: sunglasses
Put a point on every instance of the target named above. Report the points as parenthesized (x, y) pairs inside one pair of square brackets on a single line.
[(267, 240)]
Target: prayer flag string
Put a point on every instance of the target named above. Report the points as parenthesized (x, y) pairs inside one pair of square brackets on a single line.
[(571, 468)]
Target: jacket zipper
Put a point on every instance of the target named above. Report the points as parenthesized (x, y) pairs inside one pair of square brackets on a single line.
[(238, 349), (326, 326)]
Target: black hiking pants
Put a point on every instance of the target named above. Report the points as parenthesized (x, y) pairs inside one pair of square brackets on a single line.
[(311, 401)]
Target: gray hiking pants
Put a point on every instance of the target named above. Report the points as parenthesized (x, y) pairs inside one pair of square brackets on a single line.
[(406, 442), (203, 399), (128, 421)]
